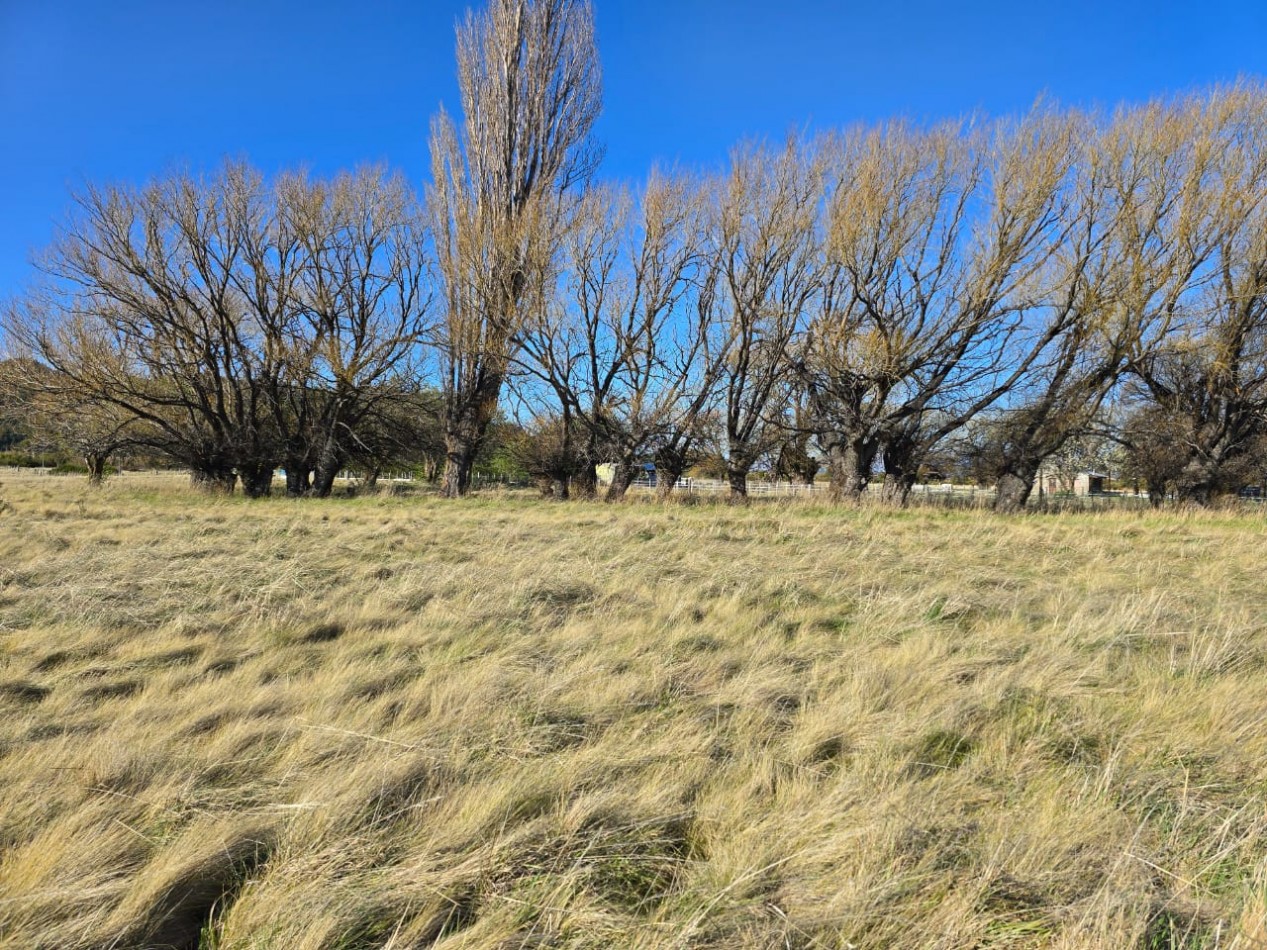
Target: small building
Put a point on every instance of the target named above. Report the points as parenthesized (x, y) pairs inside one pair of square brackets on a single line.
[(642, 473), (1087, 482)]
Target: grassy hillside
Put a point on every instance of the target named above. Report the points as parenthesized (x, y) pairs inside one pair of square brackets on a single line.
[(399, 722)]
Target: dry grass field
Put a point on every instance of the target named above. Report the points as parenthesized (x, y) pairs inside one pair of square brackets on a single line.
[(400, 722)]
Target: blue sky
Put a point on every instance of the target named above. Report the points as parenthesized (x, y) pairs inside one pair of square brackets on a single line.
[(125, 90)]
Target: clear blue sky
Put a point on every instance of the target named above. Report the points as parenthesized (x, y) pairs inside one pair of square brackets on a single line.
[(125, 89)]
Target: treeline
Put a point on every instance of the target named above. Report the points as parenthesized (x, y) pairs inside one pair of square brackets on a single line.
[(913, 299), (900, 298)]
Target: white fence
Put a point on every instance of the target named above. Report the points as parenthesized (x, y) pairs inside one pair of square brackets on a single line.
[(709, 486), (706, 486), (944, 492)]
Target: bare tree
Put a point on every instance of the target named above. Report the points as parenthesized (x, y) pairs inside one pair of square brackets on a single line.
[(1144, 227), (567, 347), (630, 349), (363, 304), (1208, 389), (146, 313), (531, 89), (1153, 442), (399, 432), (548, 450), (693, 404), (765, 240), (1207, 411), (1209, 381), (934, 238), (61, 418), (237, 324)]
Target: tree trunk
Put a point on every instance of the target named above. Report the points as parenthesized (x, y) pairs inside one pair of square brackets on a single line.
[(667, 476), (370, 481), (669, 466), (564, 462), (1196, 483), (459, 461), (900, 471), (298, 480), (465, 427), (257, 480), (806, 469), (850, 464), (1014, 489), (1200, 495), (96, 468), (1156, 492), (432, 466), (897, 488), (213, 480), (737, 478), (586, 480), (622, 478), (328, 466)]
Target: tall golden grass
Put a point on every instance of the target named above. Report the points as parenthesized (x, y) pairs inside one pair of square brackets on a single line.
[(400, 722)]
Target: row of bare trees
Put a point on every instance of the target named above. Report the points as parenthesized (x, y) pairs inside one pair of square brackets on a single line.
[(878, 296), (881, 297)]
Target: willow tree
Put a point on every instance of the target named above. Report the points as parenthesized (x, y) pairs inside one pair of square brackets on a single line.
[(631, 349), (766, 246), (530, 88), (363, 306), (1210, 380), (1146, 218), (232, 323), (148, 310), (933, 236)]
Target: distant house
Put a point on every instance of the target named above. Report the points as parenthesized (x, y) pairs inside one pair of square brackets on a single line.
[(1089, 482), (644, 473)]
